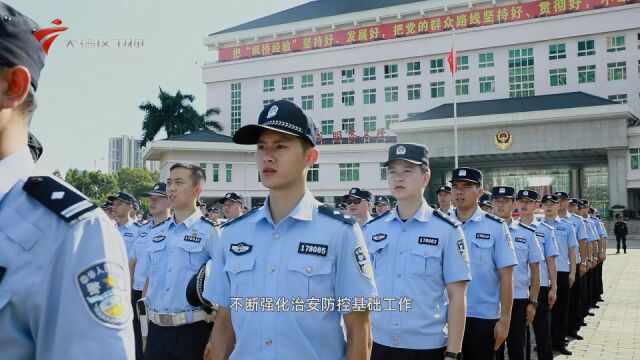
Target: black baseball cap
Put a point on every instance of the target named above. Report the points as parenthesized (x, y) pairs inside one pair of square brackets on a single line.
[(18, 45), (281, 116), (159, 189), (585, 201), (413, 153), (527, 194), (468, 174), (381, 199), (445, 188), (123, 196), (213, 209), (342, 206), (232, 196), (573, 201), (360, 193), (485, 199), (107, 205), (502, 191), (562, 194), (550, 197)]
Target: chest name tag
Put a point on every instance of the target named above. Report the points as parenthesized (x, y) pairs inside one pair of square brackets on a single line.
[(194, 239), (540, 234), (313, 249), (561, 229), (158, 238), (520, 240), (143, 234), (425, 240), (128, 234), (379, 237), (483, 236)]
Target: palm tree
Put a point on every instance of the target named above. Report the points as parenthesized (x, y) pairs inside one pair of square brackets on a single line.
[(176, 115)]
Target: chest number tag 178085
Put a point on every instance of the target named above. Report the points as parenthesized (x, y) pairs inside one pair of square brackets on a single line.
[(313, 249)]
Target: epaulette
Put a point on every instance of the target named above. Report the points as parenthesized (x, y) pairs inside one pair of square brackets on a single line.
[(207, 220), (565, 220), (527, 227), (61, 198), (547, 225), (141, 223), (239, 217), (494, 218), (377, 218), (336, 214), (160, 223), (438, 213)]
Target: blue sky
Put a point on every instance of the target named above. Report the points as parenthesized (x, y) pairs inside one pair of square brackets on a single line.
[(87, 95)]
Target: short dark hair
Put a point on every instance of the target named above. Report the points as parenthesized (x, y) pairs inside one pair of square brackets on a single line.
[(195, 172)]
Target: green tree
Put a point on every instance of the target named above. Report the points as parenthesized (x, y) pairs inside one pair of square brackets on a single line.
[(176, 115)]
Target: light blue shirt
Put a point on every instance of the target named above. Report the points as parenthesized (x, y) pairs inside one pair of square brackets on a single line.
[(65, 291), (579, 226), (549, 245), (140, 244), (602, 232), (275, 278), (129, 232), (415, 259), (490, 249), (528, 252), (592, 233), (566, 238), (175, 252)]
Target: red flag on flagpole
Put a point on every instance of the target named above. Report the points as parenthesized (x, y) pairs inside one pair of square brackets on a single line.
[(452, 60)]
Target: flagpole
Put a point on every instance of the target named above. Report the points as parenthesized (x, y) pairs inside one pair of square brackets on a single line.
[(455, 105)]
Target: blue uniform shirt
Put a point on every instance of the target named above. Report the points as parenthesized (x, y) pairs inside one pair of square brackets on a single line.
[(602, 232), (549, 245), (129, 232), (566, 238), (175, 252), (490, 249), (528, 252), (282, 283), (139, 247), (415, 259), (592, 233), (64, 288), (579, 226)]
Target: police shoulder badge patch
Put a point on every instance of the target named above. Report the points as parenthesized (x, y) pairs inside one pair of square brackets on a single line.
[(462, 248), (362, 259), (103, 288)]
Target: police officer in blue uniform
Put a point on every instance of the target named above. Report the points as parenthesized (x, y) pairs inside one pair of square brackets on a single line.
[(492, 257), (566, 271), (359, 204), (526, 275), (232, 205), (286, 273), (420, 254), (123, 211), (382, 204), (591, 262), (64, 284), (444, 199), (177, 249), (601, 256), (527, 202)]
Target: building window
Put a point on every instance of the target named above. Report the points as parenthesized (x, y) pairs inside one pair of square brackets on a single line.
[(384, 172), (369, 73), (620, 98), (267, 102), (288, 98), (268, 85), (391, 94), (557, 51), (236, 107), (617, 71), (327, 100), (313, 175), (203, 166), (521, 79), (487, 84), (369, 123), (326, 78), (391, 71), (307, 81), (349, 171), (485, 60), (327, 127), (349, 125), (586, 48), (228, 172), (557, 77), (390, 119), (463, 62), (413, 68), (414, 91), (586, 74), (634, 156), (347, 76), (462, 87), (215, 172), (307, 102), (348, 98), (287, 83), (615, 43), (437, 66), (437, 89), (369, 96)]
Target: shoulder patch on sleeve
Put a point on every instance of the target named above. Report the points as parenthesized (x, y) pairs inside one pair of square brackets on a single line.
[(378, 218), (494, 218), (336, 214), (207, 220), (239, 217), (438, 213), (58, 196), (102, 287), (527, 227)]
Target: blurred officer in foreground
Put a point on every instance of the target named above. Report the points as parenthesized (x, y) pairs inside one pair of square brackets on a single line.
[(64, 284)]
